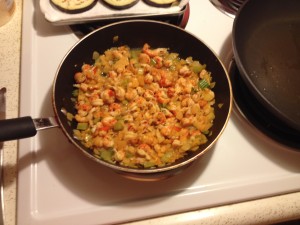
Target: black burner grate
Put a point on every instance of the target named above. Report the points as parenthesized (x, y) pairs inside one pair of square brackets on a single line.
[(229, 7), (179, 19), (253, 111)]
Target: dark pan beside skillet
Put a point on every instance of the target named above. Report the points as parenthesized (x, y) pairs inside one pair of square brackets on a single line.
[(135, 34), (266, 46)]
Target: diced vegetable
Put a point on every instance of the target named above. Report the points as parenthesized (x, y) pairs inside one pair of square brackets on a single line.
[(167, 156), (153, 62), (82, 126), (203, 84), (197, 67), (70, 116), (107, 155), (75, 92), (119, 125), (95, 55)]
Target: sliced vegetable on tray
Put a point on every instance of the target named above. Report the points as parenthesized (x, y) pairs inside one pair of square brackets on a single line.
[(73, 6), (120, 4), (161, 3)]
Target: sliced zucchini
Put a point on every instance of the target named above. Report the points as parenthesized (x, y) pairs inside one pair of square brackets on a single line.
[(161, 3), (73, 6), (120, 4)]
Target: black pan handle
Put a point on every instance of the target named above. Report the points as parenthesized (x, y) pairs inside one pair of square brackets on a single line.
[(18, 128)]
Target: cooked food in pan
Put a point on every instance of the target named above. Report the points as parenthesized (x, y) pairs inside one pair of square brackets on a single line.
[(73, 6), (143, 108)]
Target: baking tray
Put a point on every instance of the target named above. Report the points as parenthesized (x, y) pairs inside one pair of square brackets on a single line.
[(100, 12)]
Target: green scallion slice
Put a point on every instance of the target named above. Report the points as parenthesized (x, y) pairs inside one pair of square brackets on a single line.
[(203, 84)]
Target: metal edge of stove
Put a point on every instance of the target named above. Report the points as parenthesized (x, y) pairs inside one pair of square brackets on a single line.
[(229, 9), (2, 116)]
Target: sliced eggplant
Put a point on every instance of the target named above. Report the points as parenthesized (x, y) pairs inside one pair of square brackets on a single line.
[(161, 3), (120, 4), (73, 6)]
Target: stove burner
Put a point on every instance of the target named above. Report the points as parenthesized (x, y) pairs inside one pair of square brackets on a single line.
[(253, 111), (229, 7), (179, 19)]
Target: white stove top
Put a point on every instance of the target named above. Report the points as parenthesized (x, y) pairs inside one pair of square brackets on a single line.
[(58, 186)]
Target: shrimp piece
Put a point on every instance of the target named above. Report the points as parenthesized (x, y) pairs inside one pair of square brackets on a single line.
[(166, 79), (168, 63), (185, 71), (100, 130), (85, 116), (120, 93), (131, 137), (149, 140), (186, 102), (148, 78), (97, 102), (187, 121), (119, 155), (82, 113), (153, 52), (85, 67), (79, 77), (195, 109), (112, 74), (167, 113), (204, 74), (166, 131), (143, 150), (148, 95), (133, 83), (131, 94), (202, 103), (200, 125), (114, 106), (180, 84), (162, 97), (117, 54), (158, 62), (81, 119), (108, 96), (107, 141), (154, 87), (176, 143), (109, 121), (128, 118), (159, 118), (97, 141), (208, 95), (140, 101), (89, 71), (144, 58), (140, 90), (171, 92), (83, 106), (115, 109), (84, 87)]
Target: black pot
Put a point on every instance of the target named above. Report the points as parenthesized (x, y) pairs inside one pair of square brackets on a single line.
[(266, 46)]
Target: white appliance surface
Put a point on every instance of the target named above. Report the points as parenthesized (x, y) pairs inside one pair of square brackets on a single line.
[(56, 185)]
